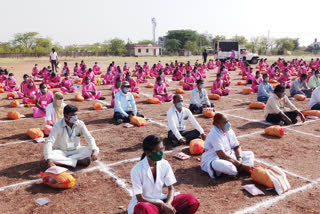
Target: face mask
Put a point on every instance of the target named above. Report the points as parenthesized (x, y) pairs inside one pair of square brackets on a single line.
[(44, 90), (109, 72), (286, 73), (156, 156), (125, 89), (283, 94), (125, 64), (226, 127), (129, 77), (59, 102), (317, 75), (160, 82), (222, 72), (201, 86), (11, 77), (73, 119), (87, 81), (179, 105), (30, 83), (120, 83), (259, 75), (267, 79), (188, 75), (26, 79)]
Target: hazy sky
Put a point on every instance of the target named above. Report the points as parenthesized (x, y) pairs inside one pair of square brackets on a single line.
[(88, 21)]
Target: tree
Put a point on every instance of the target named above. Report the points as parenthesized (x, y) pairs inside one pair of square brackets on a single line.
[(117, 47), (182, 36), (172, 45), (202, 40), (27, 40), (284, 44), (252, 45), (146, 42), (190, 45), (217, 38), (296, 43), (241, 39)]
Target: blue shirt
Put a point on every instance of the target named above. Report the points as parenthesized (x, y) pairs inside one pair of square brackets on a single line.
[(122, 103), (264, 89)]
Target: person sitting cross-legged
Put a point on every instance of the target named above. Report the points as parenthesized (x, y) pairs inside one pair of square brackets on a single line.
[(223, 153), (199, 98), (63, 144)]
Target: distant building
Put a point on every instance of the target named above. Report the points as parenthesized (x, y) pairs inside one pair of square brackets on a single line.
[(162, 41), (143, 50)]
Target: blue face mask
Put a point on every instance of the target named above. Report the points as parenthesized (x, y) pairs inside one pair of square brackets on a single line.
[(283, 94), (179, 105), (201, 86), (73, 119), (226, 127), (125, 89)]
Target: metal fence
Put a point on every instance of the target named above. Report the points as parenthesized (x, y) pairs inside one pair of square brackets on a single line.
[(61, 54)]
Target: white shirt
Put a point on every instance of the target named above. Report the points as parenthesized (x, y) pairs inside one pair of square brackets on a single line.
[(177, 121), (199, 98), (50, 112), (122, 103), (53, 55), (217, 140), (143, 182), (315, 97), (59, 138)]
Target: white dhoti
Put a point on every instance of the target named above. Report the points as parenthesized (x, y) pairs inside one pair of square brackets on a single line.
[(70, 158), (226, 167)]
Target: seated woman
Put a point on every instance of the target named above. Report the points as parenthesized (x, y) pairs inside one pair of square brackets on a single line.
[(225, 77), (54, 111), (133, 85), (250, 76), (3, 77), (96, 69), (147, 188), (76, 69), (23, 85), (160, 91), (141, 76), (189, 82), (219, 88), (256, 82), (91, 76), (43, 99), (108, 78), (115, 89), (177, 74), (285, 79), (54, 81), (126, 68), (67, 85), (11, 84), (28, 92), (274, 111), (35, 71), (65, 69), (89, 90)]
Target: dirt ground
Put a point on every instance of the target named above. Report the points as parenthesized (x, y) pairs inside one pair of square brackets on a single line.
[(105, 186)]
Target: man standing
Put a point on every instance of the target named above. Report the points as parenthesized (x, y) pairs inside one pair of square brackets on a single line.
[(53, 59), (199, 98), (204, 55), (63, 144), (122, 102), (223, 154), (177, 117)]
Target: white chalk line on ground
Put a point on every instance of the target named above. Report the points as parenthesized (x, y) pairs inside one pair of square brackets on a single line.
[(269, 202), (302, 132)]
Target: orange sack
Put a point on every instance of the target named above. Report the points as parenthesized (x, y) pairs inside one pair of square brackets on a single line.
[(311, 113), (139, 121), (14, 103), (153, 100), (150, 85), (257, 105), (214, 96), (275, 130), (79, 97), (97, 106), (241, 83), (180, 91), (181, 82), (13, 115), (35, 133), (273, 81), (12, 95), (208, 112), (135, 95), (300, 97), (62, 180), (196, 146), (1, 90), (246, 90), (260, 176)]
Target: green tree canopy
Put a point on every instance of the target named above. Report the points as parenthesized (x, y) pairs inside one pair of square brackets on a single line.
[(146, 42), (172, 45), (27, 40), (117, 47)]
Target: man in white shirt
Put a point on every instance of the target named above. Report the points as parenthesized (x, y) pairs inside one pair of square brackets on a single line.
[(123, 100), (199, 99), (299, 86), (53, 59), (314, 102), (63, 144), (177, 117), (223, 154)]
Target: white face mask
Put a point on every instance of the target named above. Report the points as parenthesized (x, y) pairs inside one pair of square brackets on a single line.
[(59, 102)]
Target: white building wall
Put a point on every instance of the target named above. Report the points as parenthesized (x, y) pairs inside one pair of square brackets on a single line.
[(144, 51)]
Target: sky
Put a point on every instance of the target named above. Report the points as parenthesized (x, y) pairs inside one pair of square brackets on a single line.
[(71, 22)]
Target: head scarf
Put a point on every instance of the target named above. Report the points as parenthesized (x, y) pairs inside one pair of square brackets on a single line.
[(58, 110)]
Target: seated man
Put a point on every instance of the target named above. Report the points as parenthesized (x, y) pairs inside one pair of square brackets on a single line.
[(177, 117), (122, 102), (199, 98), (299, 86), (314, 80), (314, 102), (63, 144), (264, 89), (274, 111), (223, 154)]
